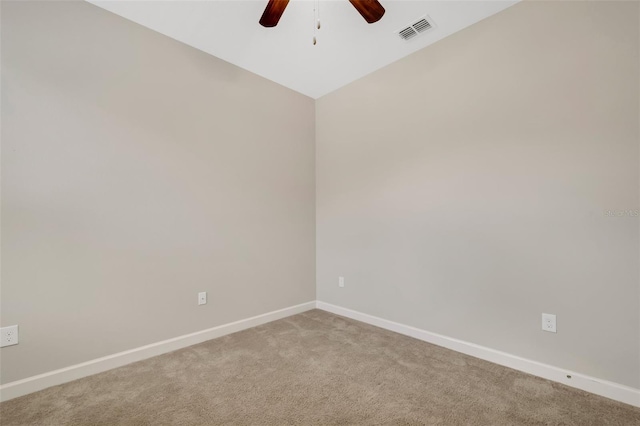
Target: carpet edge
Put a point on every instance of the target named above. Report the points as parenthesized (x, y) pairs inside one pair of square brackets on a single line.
[(73, 372), (607, 389)]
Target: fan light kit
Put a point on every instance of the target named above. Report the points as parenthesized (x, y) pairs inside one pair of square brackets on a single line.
[(371, 11)]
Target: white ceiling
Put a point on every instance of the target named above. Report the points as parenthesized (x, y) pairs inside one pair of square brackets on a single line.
[(348, 48)]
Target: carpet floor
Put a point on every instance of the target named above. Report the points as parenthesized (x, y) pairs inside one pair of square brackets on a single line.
[(310, 369)]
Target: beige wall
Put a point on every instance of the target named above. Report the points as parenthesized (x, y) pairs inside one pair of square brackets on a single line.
[(463, 189), (137, 171)]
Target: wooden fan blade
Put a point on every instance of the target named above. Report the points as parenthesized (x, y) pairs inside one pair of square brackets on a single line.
[(273, 12), (371, 10)]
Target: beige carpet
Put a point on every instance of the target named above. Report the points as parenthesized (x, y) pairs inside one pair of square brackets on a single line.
[(314, 368)]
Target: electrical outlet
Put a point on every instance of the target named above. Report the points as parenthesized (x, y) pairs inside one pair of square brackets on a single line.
[(549, 323), (9, 336), (340, 281), (202, 298)]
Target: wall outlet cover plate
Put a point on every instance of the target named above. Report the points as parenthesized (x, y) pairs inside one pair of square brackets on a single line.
[(549, 323), (9, 336)]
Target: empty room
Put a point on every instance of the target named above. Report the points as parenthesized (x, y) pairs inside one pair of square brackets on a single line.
[(319, 212)]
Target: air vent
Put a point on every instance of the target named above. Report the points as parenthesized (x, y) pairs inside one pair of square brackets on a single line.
[(407, 33), (422, 25), (414, 29)]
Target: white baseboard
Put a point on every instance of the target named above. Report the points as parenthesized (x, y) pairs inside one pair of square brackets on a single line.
[(600, 387), (604, 388), (32, 384)]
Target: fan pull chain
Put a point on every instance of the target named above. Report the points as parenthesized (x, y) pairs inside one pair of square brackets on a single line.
[(314, 24), (316, 20)]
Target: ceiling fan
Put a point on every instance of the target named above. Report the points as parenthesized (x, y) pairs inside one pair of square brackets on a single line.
[(371, 11)]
